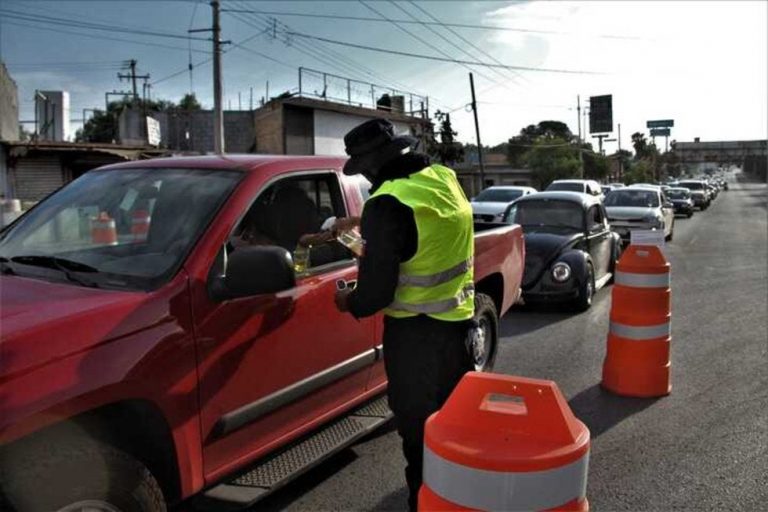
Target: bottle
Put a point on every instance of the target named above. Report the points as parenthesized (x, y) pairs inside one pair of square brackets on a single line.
[(301, 258), (352, 240)]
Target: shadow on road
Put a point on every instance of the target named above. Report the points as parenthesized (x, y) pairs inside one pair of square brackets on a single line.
[(397, 500), (527, 319), (601, 410)]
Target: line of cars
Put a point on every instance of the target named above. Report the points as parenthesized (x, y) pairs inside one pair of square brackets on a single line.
[(576, 229)]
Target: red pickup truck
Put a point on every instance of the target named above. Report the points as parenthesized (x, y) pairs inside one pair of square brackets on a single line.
[(158, 346)]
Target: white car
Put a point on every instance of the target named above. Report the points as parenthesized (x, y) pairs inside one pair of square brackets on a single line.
[(490, 204), (590, 187), (637, 207)]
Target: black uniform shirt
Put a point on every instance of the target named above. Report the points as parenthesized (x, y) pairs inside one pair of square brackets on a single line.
[(389, 230)]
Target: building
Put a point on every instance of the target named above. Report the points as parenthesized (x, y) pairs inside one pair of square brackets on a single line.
[(32, 170), (497, 172), (52, 115), (9, 106), (308, 126)]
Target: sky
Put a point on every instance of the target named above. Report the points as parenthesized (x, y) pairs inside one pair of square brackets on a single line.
[(703, 64)]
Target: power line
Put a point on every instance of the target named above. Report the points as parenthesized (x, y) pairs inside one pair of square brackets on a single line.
[(420, 39), (68, 22), (439, 59), (455, 25), (465, 40), (95, 36)]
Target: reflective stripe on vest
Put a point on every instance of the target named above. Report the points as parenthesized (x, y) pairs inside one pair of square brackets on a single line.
[(438, 278), (481, 489), (640, 333), (643, 280), (440, 306)]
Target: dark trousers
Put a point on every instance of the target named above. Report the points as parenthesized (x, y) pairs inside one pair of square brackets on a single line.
[(425, 359)]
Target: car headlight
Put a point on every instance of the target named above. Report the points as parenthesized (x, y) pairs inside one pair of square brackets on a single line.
[(561, 272), (653, 220)]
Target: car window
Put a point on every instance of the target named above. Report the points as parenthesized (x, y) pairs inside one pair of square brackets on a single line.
[(632, 198), (496, 195), (547, 215), (132, 227), (569, 187), (595, 219), (291, 208)]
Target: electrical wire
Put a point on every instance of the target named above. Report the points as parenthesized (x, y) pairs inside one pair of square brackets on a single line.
[(439, 59)]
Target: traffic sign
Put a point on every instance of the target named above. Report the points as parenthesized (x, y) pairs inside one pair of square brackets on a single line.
[(660, 132), (601, 114), (663, 123)]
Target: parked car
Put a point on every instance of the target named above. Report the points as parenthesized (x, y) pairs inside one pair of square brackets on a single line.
[(590, 187), (639, 207), (681, 200), (490, 204), (699, 192), (158, 343), (571, 251)]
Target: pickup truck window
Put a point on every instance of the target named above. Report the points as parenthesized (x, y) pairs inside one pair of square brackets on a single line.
[(122, 228), (290, 208)]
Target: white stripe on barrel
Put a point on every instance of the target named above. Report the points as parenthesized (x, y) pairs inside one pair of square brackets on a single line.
[(484, 489), (645, 332), (643, 280)]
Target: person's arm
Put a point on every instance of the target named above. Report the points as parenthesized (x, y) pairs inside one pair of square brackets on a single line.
[(389, 230)]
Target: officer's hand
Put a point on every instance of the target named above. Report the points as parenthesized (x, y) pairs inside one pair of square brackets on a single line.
[(341, 299)]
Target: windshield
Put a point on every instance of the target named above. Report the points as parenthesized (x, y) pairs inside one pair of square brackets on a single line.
[(547, 215), (127, 228), (496, 195), (630, 197), (692, 185), (569, 187), (678, 194)]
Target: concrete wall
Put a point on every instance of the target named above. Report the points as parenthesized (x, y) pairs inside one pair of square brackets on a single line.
[(330, 128), (268, 129), (52, 109), (9, 106)]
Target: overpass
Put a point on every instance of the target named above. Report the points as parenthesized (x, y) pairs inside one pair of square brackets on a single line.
[(750, 155)]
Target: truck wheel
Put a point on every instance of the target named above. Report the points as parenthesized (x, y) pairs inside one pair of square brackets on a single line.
[(586, 291), (79, 476), (484, 343)]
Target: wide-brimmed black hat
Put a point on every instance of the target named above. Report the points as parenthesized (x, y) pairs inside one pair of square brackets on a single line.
[(373, 144)]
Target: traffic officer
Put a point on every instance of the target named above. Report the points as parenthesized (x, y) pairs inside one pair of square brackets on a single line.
[(417, 269)]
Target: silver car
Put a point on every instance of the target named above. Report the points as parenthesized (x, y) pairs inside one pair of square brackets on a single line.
[(639, 207), (490, 204)]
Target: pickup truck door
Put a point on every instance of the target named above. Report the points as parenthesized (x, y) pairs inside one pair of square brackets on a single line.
[(599, 239), (273, 365)]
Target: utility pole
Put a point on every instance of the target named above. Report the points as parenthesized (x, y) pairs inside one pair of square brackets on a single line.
[(250, 103), (218, 115), (132, 76), (477, 133), (621, 160), (578, 122)]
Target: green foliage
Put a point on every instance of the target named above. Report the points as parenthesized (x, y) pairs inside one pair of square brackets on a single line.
[(518, 146), (596, 166), (189, 102), (448, 150), (552, 159), (641, 171)]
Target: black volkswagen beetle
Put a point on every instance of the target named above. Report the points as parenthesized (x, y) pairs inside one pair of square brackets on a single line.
[(570, 250)]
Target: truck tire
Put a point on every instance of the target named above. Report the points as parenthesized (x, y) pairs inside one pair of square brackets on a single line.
[(77, 476), (483, 347)]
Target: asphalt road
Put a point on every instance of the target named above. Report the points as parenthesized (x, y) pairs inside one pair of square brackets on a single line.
[(703, 447)]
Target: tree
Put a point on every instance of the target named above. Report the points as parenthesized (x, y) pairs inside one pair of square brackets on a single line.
[(640, 172), (596, 166), (189, 102), (552, 159), (447, 151), (640, 144), (519, 145)]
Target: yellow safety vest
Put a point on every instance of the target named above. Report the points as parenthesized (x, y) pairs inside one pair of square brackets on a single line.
[(438, 279)]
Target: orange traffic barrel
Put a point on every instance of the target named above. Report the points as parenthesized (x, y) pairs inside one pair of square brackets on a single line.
[(103, 231), (140, 221), (504, 443), (637, 361)]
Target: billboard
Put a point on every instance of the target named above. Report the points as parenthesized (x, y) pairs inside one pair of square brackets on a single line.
[(153, 132), (662, 123), (601, 114), (660, 132)]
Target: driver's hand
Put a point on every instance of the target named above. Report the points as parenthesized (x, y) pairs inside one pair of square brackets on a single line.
[(345, 224)]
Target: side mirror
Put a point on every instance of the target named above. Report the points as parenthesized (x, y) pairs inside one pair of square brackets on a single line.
[(669, 205), (256, 271)]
